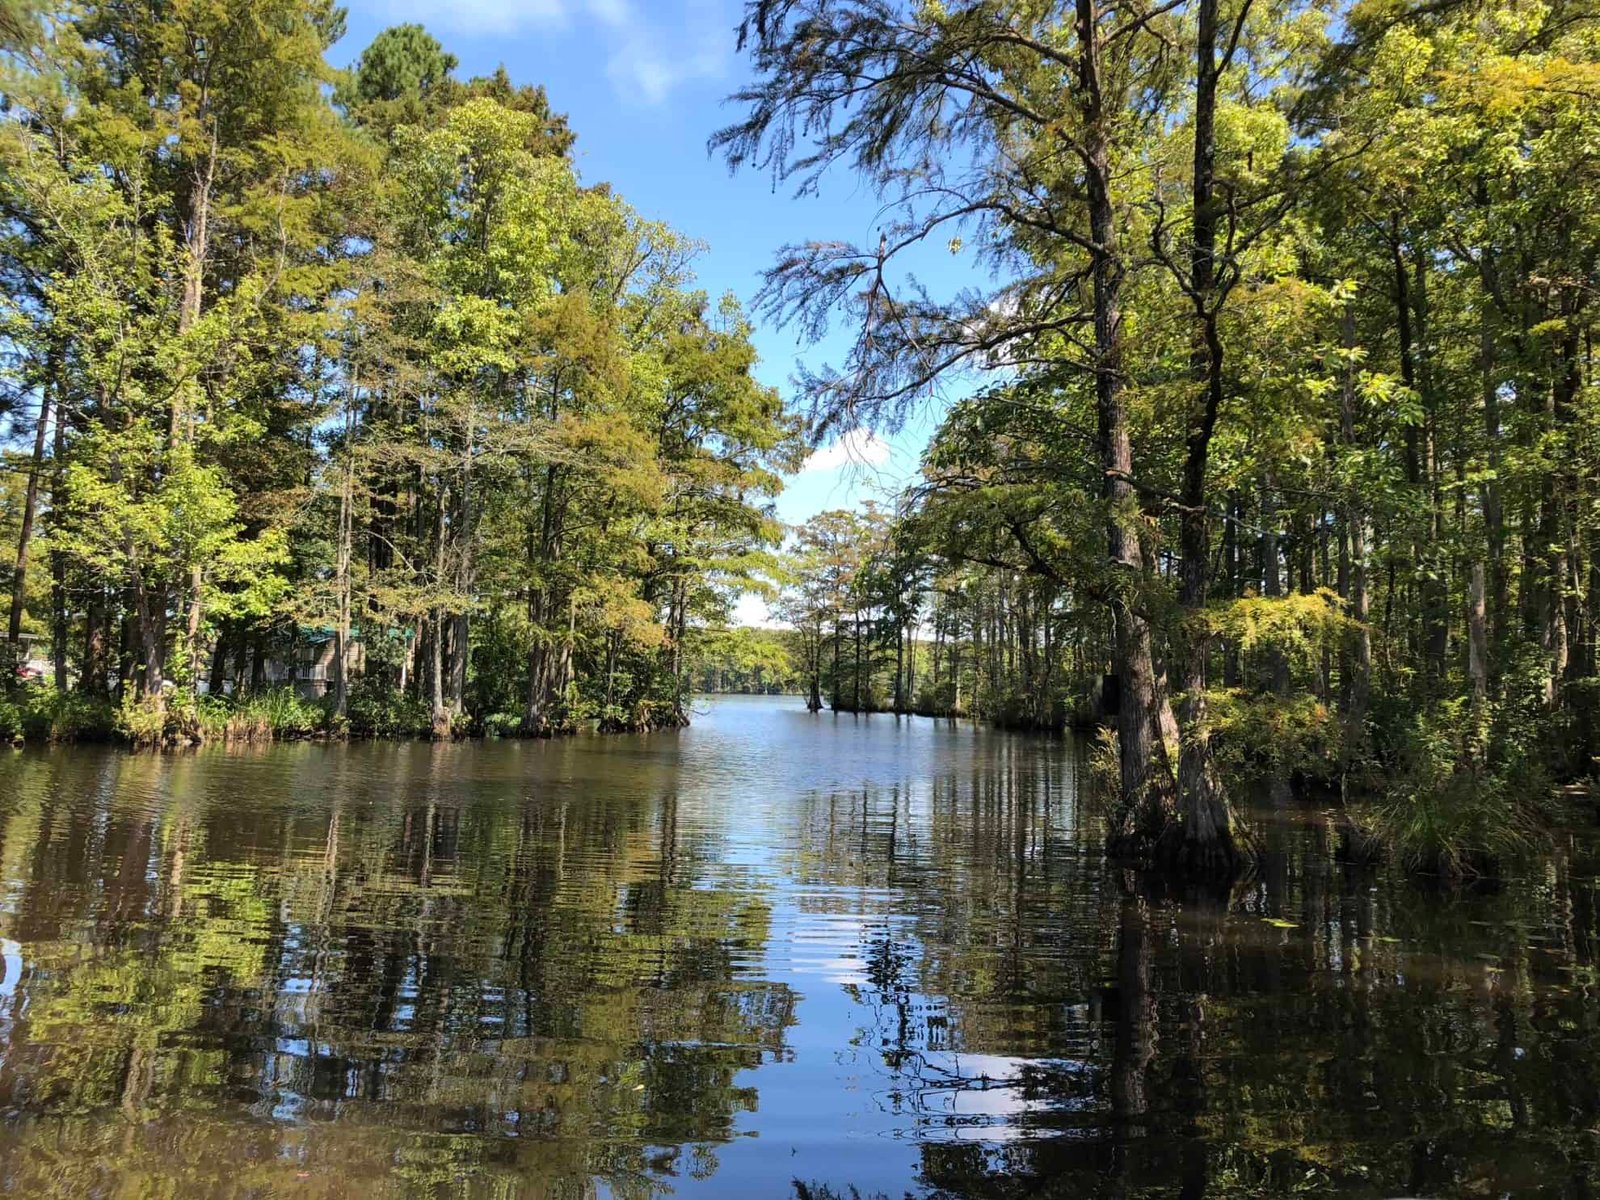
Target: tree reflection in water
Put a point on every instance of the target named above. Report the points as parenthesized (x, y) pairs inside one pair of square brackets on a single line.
[(879, 956)]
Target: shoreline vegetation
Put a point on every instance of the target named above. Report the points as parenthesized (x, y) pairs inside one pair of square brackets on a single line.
[(342, 384), (1266, 388), (1269, 444), (41, 716)]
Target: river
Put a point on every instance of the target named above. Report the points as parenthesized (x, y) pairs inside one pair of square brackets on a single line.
[(773, 948)]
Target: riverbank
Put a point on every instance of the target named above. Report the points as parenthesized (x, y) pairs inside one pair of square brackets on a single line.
[(38, 715), (1435, 813)]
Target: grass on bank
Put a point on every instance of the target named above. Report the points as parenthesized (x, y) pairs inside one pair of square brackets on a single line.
[(37, 713)]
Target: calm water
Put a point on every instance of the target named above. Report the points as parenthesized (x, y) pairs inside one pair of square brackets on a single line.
[(774, 947)]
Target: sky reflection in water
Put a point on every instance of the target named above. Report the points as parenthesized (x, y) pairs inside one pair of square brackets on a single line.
[(848, 951)]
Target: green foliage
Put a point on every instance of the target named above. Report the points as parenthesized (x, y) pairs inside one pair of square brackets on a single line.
[(1448, 811), (759, 661), (281, 714), (402, 61), (37, 713), (1295, 394), (1105, 767), (143, 723), (1299, 626), (1274, 737), (401, 383), (377, 710), (502, 724)]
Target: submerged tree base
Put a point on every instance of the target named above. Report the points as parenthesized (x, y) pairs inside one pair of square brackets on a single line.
[(1221, 857)]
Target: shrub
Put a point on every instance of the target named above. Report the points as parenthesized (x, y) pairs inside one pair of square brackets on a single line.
[(143, 722), (1105, 766), (1274, 735), (212, 714), (1027, 712), (284, 711), (1459, 806), (375, 710), (1467, 823), (10, 721), (37, 713), (69, 717), (278, 714), (502, 724)]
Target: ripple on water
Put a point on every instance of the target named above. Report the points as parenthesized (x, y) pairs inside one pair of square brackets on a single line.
[(857, 951)]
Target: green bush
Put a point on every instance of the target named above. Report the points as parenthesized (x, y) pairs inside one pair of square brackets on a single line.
[(1462, 801), (10, 721), (1105, 766), (375, 710), (1274, 735), (280, 714), (502, 724), (284, 711), (182, 718), (37, 713), (70, 717), (143, 722)]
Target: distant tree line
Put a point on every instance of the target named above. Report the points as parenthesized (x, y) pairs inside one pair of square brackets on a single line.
[(747, 661)]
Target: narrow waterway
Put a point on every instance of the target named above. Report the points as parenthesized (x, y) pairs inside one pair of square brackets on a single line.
[(774, 947)]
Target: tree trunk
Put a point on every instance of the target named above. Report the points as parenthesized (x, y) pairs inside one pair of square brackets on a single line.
[(1499, 583), (150, 615), (1146, 787), (341, 577), (216, 682), (1205, 840), (837, 697), (1277, 664), (92, 678), (899, 668), (466, 578), (1355, 672), (543, 553), (1434, 585), (1477, 637), (856, 691), (30, 506), (436, 627), (1553, 532), (183, 416)]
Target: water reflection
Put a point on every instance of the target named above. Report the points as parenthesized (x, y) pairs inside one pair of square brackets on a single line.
[(771, 948)]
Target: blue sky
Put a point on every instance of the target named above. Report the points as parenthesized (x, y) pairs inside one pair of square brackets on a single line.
[(643, 83)]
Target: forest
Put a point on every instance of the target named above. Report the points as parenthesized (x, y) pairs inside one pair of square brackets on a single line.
[(1271, 427), (349, 366), (1267, 440)]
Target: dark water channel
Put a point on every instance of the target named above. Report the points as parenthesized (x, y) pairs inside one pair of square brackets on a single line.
[(774, 947)]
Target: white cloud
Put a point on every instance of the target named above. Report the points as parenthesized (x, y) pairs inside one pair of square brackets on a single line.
[(639, 71), (650, 49), (857, 448)]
